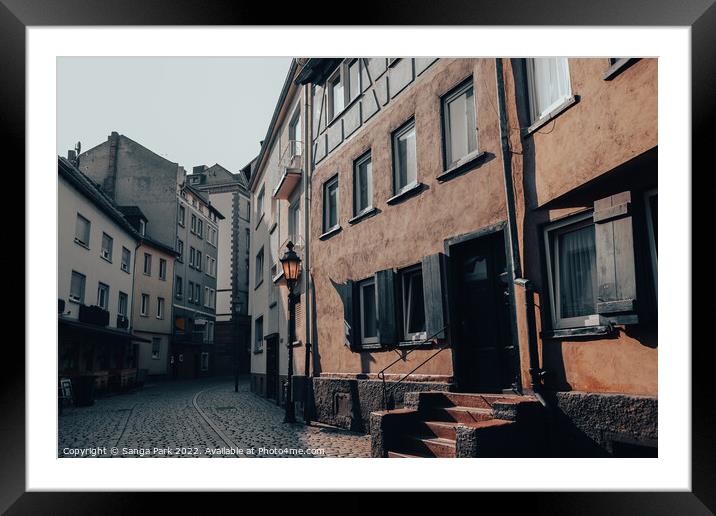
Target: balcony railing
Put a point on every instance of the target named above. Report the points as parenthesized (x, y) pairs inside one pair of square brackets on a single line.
[(94, 315), (291, 166)]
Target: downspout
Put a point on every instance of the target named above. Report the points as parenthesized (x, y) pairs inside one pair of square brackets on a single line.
[(308, 285), (513, 243)]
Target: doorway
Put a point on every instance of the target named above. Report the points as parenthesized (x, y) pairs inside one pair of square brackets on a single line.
[(485, 354), (272, 367)]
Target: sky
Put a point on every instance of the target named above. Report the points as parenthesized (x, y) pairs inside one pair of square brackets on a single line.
[(190, 110)]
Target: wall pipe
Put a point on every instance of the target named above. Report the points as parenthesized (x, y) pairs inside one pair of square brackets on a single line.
[(308, 285), (513, 245)]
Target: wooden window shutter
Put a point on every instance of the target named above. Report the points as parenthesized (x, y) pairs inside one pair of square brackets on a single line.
[(435, 294), (385, 307), (346, 292), (616, 269)]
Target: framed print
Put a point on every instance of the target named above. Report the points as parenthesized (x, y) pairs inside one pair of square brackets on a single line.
[(430, 242)]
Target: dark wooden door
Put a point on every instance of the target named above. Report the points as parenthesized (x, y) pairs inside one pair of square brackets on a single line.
[(272, 367), (485, 355)]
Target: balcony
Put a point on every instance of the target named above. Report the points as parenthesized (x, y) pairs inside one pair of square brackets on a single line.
[(291, 166), (94, 315)]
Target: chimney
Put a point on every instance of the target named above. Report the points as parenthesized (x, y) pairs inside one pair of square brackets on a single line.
[(72, 156)]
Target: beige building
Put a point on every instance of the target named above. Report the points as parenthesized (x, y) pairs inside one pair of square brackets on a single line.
[(278, 192)]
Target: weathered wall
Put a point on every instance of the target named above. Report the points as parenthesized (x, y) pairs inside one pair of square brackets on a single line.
[(402, 234), (613, 122)]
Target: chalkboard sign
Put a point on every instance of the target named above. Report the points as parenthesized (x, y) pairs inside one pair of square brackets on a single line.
[(66, 389)]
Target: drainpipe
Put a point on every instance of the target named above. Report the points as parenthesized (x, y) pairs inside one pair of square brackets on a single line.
[(513, 246), (308, 285)]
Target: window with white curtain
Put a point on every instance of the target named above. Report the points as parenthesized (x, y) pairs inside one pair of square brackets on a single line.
[(459, 124), (405, 166), (548, 84), (573, 272)]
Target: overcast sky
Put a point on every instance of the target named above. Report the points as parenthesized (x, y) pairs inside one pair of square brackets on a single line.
[(192, 111)]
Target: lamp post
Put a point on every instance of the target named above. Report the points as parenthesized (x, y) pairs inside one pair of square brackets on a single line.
[(291, 264)]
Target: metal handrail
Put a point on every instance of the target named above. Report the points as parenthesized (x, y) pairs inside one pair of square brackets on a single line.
[(381, 373)]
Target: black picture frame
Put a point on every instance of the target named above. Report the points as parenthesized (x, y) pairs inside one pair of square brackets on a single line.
[(17, 15)]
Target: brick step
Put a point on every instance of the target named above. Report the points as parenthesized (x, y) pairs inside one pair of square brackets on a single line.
[(459, 399), (457, 414), (397, 455), (426, 446)]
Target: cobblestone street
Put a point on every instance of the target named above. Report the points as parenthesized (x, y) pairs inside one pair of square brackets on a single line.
[(202, 418)]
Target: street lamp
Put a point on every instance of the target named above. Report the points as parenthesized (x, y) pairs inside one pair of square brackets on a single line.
[(291, 264)]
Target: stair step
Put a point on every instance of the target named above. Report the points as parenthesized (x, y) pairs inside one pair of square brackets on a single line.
[(460, 399), (444, 429), (427, 446), (458, 414), (398, 455)]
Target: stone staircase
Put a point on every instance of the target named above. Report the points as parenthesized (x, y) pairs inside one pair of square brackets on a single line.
[(446, 424)]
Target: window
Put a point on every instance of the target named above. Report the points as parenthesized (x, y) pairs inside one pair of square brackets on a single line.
[(182, 215), (368, 315), (126, 258), (160, 308), (362, 184), (200, 228), (405, 167), (205, 361), (193, 223), (573, 272), (294, 134), (77, 287), (548, 84), (206, 297), (330, 204), (107, 243), (180, 250), (197, 294), (212, 236), (260, 203), (162, 269), (336, 100), (294, 215), (103, 296), (459, 125), (142, 227), (156, 347), (192, 256), (210, 266), (179, 287), (82, 231), (353, 83), (209, 335), (197, 263), (144, 309), (122, 304), (413, 304), (260, 267), (147, 264), (259, 334), (190, 297)]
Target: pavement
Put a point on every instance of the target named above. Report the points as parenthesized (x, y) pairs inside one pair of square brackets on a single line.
[(197, 418)]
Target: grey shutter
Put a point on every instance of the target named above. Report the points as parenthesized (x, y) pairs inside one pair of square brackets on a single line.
[(346, 292), (616, 270), (435, 294), (385, 307)]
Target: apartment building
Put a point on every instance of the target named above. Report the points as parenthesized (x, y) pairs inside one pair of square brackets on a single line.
[(180, 218), (95, 274), (277, 186), (229, 194), (485, 228)]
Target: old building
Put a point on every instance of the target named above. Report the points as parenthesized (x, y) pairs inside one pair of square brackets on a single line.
[(229, 194), (277, 187), (95, 273), (181, 218), (485, 227), (152, 295)]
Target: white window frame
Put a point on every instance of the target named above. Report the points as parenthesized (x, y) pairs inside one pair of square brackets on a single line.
[(190, 296), (551, 232), (450, 160), (162, 269), (160, 307), (180, 249), (147, 270), (103, 287), (352, 91), (119, 303), (294, 219), (124, 265), (259, 263), (83, 286), (397, 134), (182, 215), (192, 228), (197, 260), (179, 289), (334, 80), (259, 338), (89, 231), (260, 199), (365, 158), (144, 305), (535, 114), (405, 299), (106, 252), (156, 354), (361, 286), (333, 181)]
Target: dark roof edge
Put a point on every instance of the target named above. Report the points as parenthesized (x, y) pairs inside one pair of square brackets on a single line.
[(316, 70)]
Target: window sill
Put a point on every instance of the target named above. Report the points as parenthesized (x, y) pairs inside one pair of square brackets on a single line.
[(406, 193), (469, 162), (273, 228), (81, 244), (587, 331), (277, 277), (106, 259), (258, 222), (370, 347), (365, 214), (124, 270), (258, 284), (143, 315), (619, 67), (76, 301), (328, 234), (571, 101)]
